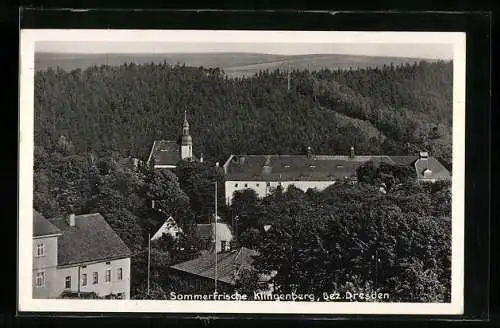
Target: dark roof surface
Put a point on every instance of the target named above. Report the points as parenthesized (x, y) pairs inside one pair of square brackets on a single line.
[(319, 167), (228, 264), (165, 152), (301, 167), (437, 170), (204, 232), (42, 226), (91, 239), (404, 160)]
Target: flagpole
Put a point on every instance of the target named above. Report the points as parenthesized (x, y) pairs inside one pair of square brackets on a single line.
[(149, 257), (215, 233)]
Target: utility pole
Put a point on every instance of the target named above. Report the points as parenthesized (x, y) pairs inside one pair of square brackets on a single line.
[(215, 236), (149, 258), (235, 227), (377, 260), (288, 78)]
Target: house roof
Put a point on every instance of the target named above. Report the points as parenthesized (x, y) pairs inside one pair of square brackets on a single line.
[(315, 167), (295, 167), (42, 226), (436, 169), (228, 263), (165, 152), (91, 239), (204, 232), (167, 226), (403, 160)]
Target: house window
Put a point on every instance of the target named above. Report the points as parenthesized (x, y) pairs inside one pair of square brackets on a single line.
[(108, 263), (40, 279), (120, 273), (84, 279), (67, 282), (40, 249), (236, 185), (223, 245), (257, 185), (108, 275), (95, 278), (246, 185)]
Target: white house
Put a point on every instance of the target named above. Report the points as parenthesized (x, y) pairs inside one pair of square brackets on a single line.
[(45, 244), (91, 259)]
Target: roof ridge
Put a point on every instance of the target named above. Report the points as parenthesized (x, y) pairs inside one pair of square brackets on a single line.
[(88, 214)]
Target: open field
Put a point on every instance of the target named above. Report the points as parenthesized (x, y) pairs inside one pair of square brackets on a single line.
[(234, 64)]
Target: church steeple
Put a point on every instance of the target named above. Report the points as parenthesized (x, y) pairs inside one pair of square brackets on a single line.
[(185, 126), (187, 141)]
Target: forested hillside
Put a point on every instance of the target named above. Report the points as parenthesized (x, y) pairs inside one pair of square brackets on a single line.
[(392, 110), (344, 238)]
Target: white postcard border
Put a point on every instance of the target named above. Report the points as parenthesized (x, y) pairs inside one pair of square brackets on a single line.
[(28, 39)]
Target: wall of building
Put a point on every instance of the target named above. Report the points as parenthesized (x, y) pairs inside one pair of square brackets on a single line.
[(186, 151), (223, 234), (46, 264), (102, 288), (262, 188)]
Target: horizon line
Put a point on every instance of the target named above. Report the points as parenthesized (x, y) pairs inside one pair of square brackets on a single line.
[(239, 52)]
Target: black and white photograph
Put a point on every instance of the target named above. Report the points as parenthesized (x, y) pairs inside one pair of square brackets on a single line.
[(242, 171)]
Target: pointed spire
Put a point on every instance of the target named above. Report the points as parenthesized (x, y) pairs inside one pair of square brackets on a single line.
[(186, 124), (187, 141)]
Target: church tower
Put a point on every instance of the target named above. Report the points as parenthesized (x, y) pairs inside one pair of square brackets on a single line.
[(187, 141)]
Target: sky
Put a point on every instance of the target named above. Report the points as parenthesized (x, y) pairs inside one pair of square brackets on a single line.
[(421, 50)]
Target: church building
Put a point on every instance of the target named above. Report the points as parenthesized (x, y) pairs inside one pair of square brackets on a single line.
[(165, 154)]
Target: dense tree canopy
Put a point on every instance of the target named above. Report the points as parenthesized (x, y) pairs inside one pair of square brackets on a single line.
[(353, 235), (392, 109)]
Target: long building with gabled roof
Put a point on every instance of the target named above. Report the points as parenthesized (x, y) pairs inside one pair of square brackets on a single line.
[(262, 173)]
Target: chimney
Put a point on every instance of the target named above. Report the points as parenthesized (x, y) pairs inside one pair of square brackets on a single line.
[(309, 152), (266, 169), (233, 245), (424, 155), (201, 158), (351, 152), (71, 220)]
